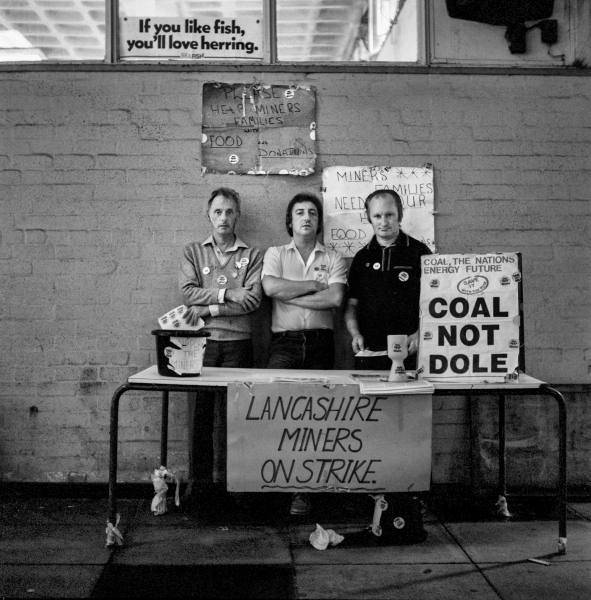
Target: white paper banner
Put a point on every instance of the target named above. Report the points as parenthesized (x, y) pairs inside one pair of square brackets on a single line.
[(344, 190), (469, 316), (202, 38), (307, 438)]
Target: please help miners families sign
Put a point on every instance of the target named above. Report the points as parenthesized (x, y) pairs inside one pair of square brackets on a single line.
[(469, 317)]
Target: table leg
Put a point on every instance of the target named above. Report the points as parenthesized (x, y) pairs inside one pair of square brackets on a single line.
[(164, 432), (114, 537), (502, 508), (562, 486)]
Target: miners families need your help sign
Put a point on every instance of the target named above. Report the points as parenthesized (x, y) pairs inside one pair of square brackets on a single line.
[(469, 327)]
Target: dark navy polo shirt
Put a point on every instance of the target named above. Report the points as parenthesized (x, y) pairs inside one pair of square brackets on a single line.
[(386, 284)]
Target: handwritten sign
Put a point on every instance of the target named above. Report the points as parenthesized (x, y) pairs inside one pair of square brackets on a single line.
[(258, 129), (311, 438), (203, 38), (344, 190), (469, 316)]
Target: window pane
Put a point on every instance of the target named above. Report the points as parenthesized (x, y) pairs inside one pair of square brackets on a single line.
[(65, 30), (347, 30), (228, 30)]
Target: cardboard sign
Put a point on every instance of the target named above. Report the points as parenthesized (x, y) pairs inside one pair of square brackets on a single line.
[(469, 317), (258, 129), (202, 38), (344, 190), (319, 438)]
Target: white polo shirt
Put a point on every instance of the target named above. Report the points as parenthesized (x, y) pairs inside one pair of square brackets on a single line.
[(286, 262)]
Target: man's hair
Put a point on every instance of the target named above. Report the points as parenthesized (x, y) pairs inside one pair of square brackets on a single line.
[(228, 193), (303, 197), (391, 193)]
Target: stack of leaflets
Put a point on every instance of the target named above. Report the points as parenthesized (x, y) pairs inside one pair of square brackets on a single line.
[(287, 379), (173, 319), (377, 383)]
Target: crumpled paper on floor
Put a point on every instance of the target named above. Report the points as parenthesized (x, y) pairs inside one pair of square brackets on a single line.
[(159, 480), (321, 538), (114, 536)]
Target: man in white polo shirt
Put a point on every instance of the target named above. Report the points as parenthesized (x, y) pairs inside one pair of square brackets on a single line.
[(306, 282)]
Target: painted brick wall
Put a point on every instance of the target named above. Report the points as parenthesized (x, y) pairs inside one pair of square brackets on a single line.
[(101, 186)]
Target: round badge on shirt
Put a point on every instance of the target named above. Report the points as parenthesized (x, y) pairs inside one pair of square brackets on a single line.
[(403, 276), (376, 266), (244, 261), (222, 279), (205, 270)]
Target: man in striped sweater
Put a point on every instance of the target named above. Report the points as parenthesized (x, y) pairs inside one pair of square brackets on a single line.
[(220, 281)]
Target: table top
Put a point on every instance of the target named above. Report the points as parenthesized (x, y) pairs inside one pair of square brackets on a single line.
[(221, 377)]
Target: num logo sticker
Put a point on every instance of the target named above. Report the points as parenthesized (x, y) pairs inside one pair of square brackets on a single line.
[(505, 281), (434, 283), (473, 285), (427, 335)]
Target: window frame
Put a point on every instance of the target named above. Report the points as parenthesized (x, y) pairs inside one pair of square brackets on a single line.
[(270, 62)]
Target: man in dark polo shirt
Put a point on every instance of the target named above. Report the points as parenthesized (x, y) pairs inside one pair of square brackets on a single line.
[(384, 286)]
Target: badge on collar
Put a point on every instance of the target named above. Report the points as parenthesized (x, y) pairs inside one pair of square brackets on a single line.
[(205, 270), (403, 276), (222, 279)]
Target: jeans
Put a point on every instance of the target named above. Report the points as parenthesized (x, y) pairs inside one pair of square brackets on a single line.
[(305, 349), (207, 444)]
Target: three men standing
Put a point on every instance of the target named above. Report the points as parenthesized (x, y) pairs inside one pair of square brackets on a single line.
[(221, 280)]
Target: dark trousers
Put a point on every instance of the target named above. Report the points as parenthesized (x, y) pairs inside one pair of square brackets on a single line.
[(304, 349), (207, 416)]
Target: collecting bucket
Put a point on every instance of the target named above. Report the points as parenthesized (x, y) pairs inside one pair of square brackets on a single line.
[(179, 353)]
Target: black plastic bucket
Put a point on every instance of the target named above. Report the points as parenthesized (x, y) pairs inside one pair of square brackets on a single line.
[(179, 353)]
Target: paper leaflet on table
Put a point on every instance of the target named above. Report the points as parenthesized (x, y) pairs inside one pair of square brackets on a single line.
[(295, 379), (173, 319), (377, 383), (366, 353)]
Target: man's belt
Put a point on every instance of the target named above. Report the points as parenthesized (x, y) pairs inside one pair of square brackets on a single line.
[(303, 333)]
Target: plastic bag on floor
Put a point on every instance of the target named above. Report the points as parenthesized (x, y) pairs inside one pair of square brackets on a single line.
[(160, 487), (321, 538)]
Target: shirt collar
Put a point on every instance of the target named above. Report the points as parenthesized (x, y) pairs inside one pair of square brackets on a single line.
[(317, 248), (238, 243)]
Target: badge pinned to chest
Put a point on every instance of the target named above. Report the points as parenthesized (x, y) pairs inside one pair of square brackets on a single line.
[(222, 279), (376, 266), (206, 270), (403, 276)]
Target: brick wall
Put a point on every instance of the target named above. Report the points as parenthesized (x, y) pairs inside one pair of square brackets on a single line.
[(101, 186)]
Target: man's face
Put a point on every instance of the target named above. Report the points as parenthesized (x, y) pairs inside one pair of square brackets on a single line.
[(304, 219), (223, 215), (383, 216)]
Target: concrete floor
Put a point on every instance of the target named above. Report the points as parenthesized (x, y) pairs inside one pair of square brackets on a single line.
[(56, 548)]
